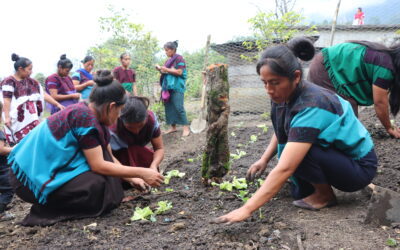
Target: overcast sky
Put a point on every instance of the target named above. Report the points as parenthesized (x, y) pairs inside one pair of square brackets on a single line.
[(42, 30)]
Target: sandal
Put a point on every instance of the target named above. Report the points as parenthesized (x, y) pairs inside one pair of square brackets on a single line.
[(302, 204)]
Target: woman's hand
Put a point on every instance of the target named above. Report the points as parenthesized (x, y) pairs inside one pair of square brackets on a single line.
[(138, 183), (164, 69), (7, 122), (395, 132), (237, 215), (152, 177), (256, 170), (90, 83), (60, 107), (154, 167), (76, 96)]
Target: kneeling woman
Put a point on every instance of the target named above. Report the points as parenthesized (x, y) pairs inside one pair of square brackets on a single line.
[(135, 128), (65, 166), (319, 140)]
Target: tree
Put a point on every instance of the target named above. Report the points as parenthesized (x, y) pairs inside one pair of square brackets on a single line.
[(40, 77), (274, 27), (126, 36)]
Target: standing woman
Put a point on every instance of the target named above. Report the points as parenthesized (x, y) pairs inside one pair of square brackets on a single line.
[(83, 79), (78, 177), (318, 139), (364, 73), (125, 75), (173, 80), (59, 85), (136, 127), (22, 101)]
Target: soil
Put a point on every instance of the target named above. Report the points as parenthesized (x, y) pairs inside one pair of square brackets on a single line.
[(278, 225)]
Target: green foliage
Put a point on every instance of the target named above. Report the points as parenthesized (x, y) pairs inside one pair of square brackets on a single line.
[(228, 186), (243, 195), (239, 154), (173, 173), (40, 77), (158, 109), (391, 242), (163, 206), (143, 214), (169, 190), (264, 128), (190, 160), (195, 64), (269, 28), (253, 138), (122, 35)]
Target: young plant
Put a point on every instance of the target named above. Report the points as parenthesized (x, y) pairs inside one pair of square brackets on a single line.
[(163, 206), (264, 128), (253, 138), (226, 185), (143, 214), (239, 154), (172, 173), (243, 195), (169, 190), (190, 160), (233, 134), (239, 183)]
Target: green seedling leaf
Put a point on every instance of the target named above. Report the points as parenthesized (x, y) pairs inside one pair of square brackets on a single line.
[(163, 206), (260, 181), (265, 115), (226, 185), (391, 242), (239, 183), (169, 190), (253, 138), (243, 195), (239, 154), (172, 173), (233, 134), (240, 145), (142, 213), (190, 160), (264, 127), (240, 124)]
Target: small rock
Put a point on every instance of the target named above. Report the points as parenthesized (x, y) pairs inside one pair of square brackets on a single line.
[(280, 225), (277, 233), (264, 232), (68, 244), (177, 226)]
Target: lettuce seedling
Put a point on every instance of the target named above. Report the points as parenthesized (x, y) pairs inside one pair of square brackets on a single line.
[(253, 138), (169, 190), (239, 183), (264, 127), (163, 206), (243, 195), (143, 214), (239, 154), (172, 173), (226, 185), (190, 160)]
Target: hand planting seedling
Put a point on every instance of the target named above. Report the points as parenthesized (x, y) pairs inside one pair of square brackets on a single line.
[(143, 214), (172, 173), (163, 206)]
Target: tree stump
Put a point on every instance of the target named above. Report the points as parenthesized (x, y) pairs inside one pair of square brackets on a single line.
[(216, 156)]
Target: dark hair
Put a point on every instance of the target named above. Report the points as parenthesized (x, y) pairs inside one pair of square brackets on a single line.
[(394, 52), (87, 59), (106, 90), (135, 109), (20, 61), (171, 45), (64, 62), (282, 58), (360, 8), (124, 54)]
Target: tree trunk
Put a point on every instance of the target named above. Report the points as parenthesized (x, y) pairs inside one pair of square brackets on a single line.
[(216, 156)]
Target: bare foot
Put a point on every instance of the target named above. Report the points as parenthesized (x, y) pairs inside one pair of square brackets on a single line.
[(169, 131), (186, 132)]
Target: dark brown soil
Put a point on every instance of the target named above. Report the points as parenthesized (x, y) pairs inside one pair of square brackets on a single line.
[(278, 225)]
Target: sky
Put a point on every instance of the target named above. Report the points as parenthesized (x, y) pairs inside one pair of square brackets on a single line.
[(42, 30)]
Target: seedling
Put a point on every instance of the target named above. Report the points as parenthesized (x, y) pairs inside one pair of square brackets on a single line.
[(253, 138), (233, 134), (239, 125), (243, 195), (163, 206), (143, 214), (228, 186), (264, 127), (169, 190), (190, 160), (239, 154), (260, 182), (240, 145), (172, 173), (391, 242), (265, 115)]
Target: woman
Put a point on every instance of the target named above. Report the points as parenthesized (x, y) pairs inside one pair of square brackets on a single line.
[(359, 17), (59, 85), (83, 79), (363, 73), (22, 101), (318, 139), (76, 178), (173, 79), (135, 128), (125, 75)]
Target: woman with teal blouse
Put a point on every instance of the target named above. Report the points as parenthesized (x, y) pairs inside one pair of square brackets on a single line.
[(173, 80)]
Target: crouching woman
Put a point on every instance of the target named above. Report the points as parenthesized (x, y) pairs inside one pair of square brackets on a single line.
[(65, 168)]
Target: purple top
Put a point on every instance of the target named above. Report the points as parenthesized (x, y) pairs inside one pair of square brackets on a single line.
[(124, 75), (64, 85)]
